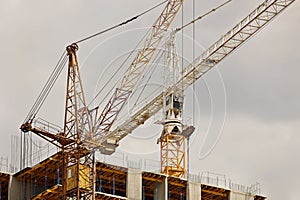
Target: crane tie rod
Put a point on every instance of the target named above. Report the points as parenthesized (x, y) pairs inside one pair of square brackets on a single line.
[(121, 24), (202, 16)]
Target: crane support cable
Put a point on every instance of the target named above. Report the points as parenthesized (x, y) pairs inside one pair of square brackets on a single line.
[(48, 86), (150, 72), (202, 16), (120, 24), (62, 61), (117, 71)]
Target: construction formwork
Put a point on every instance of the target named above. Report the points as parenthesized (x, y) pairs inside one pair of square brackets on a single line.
[(40, 181), (209, 192), (110, 180), (43, 182), (153, 185), (4, 183)]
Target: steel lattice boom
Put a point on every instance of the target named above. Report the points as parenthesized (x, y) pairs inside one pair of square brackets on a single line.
[(136, 69), (227, 44)]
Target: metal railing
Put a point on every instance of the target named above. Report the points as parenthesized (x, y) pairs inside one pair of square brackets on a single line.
[(219, 180)]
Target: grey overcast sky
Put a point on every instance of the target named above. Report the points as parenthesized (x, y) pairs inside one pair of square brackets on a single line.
[(260, 139)]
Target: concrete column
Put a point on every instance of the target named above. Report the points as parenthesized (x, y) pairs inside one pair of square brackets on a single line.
[(194, 191), (14, 189), (234, 195), (134, 184), (161, 192)]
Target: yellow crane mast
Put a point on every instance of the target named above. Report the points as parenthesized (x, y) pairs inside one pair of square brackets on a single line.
[(172, 142)]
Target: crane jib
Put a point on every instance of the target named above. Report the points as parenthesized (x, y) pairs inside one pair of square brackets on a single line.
[(133, 74), (226, 45)]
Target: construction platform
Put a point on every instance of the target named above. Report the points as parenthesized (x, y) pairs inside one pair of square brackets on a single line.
[(43, 182)]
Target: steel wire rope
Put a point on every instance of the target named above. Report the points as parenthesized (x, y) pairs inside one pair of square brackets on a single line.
[(151, 94), (181, 29), (51, 80), (182, 46), (177, 30), (157, 58), (111, 28), (194, 92), (56, 72), (193, 36), (121, 118), (184, 26), (193, 57), (156, 61), (202, 16), (47, 87), (141, 103), (34, 107), (117, 71), (121, 24), (52, 83)]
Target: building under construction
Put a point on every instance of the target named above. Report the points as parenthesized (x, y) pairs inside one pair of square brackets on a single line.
[(73, 172), (43, 181)]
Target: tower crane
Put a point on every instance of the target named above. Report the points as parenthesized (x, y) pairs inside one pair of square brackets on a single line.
[(86, 131), (83, 131), (226, 45)]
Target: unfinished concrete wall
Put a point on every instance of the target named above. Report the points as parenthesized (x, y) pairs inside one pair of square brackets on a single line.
[(240, 196), (134, 184), (194, 191)]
